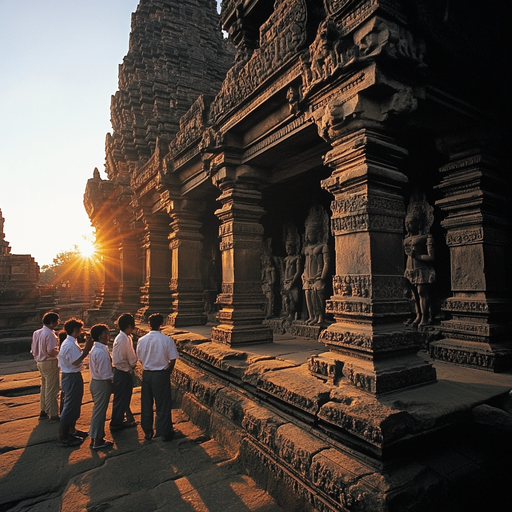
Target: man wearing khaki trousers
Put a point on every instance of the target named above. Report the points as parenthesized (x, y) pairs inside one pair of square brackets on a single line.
[(45, 351)]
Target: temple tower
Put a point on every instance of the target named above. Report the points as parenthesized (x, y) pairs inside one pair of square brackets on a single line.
[(176, 53)]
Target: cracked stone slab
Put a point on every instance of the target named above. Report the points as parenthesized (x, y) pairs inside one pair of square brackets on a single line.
[(296, 387)]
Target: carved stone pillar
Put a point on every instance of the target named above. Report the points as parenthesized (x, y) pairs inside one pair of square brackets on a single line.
[(185, 243), (155, 293), (478, 237), (130, 271), (109, 250), (241, 301), (371, 346)]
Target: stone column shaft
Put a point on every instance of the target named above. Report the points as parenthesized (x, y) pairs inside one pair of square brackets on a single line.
[(155, 293), (129, 292), (376, 352), (477, 234), (185, 243), (241, 314)]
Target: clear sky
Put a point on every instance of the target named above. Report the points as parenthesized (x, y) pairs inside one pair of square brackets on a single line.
[(58, 69)]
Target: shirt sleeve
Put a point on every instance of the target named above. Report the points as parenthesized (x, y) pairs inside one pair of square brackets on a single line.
[(172, 351), (131, 357), (50, 343)]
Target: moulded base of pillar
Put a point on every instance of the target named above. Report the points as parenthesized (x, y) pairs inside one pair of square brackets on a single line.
[(186, 319), (376, 377), (483, 356), (248, 334)]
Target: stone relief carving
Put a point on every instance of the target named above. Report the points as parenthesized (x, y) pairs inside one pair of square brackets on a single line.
[(281, 36), (332, 51), (291, 268), (419, 248), (316, 264), (268, 277)]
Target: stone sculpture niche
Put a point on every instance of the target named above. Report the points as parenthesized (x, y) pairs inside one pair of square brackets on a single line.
[(268, 277), (291, 268), (419, 248), (316, 264)]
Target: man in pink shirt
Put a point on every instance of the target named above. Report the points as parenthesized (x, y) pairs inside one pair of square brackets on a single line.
[(45, 351)]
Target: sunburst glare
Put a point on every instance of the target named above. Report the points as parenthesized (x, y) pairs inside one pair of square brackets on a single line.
[(87, 248)]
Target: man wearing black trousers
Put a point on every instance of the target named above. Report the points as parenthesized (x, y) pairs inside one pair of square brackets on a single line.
[(123, 359), (158, 355), (71, 358)]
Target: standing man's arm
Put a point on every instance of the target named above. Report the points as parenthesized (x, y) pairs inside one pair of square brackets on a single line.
[(52, 347), (85, 352)]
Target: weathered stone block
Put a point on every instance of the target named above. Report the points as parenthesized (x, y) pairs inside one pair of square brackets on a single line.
[(366, 418), (297, 447), (196, 411), (297, 388), (262, 425)]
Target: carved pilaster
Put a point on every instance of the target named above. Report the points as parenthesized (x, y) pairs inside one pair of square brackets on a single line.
[(155, 294), (374, 350), (185, 244), (241, 301), (477, 234), (130, 268)]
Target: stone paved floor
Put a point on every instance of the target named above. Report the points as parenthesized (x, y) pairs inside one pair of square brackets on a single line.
[(193, 473)]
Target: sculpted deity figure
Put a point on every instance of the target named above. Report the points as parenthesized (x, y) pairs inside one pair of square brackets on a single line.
[(268, 278), (316, 264), (290, 270), (419, 248)]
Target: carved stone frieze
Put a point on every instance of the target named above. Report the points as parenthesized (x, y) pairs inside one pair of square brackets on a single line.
[(242, 287), (229, 242), (455, 305), (478, 235), (365, 286), (365, 222), (336, 306), (350, 204), (335, 49), (192, 126), (281, 37), (463, 356), (184, 284), (274, 137), (371, 342), (237, 228)]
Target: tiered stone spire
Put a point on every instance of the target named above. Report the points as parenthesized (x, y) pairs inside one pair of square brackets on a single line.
[(176, 53)]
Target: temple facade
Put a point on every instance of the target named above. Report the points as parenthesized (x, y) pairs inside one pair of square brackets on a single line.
[(218, 156), (333, 169)]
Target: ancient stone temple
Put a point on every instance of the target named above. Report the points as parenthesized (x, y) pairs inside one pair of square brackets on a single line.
[(333, 170), (19, 296)]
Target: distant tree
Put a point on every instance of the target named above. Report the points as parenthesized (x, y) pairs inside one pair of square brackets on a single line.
[(68, 267)]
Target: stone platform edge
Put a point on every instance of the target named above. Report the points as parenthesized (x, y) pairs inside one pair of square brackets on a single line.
[(313, 446)]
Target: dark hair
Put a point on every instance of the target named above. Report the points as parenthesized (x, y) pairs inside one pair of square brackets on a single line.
[(97, 330), (72, 324), (50, 317), (62, 335), (156, 320), (125, 320)]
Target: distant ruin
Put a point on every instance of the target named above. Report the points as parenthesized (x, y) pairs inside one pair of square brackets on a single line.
[(308, 134), (19, 296)]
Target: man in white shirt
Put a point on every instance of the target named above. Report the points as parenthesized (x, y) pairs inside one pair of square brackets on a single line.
[(158, 355), (100, 367), (124, 360), (71, 364), (45, 351)]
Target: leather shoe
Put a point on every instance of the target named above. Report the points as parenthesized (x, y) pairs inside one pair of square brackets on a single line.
[(168, 437)]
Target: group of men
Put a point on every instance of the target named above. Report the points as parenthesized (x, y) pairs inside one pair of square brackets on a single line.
[(110, 373)]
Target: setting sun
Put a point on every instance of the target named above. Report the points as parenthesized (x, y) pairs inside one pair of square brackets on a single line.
[(87, 248)]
